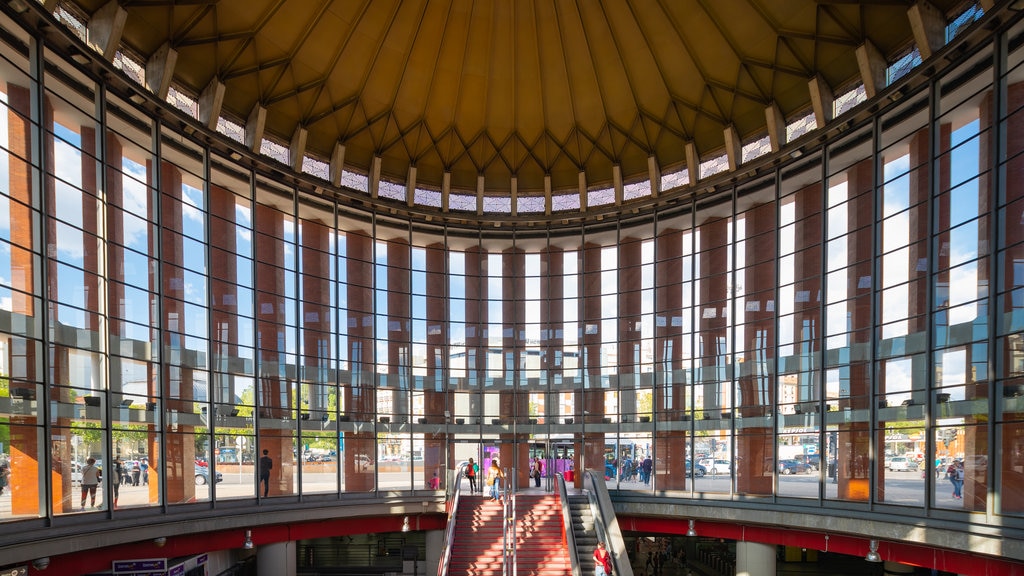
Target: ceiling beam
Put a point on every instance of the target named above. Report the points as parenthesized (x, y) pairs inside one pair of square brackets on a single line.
[(928, 26), (105, 28)]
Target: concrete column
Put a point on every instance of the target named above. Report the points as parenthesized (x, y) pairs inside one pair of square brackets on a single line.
[(435, 545), (276, 559), (654, 174), (872, 67), (776, 126), (360, 394), (211, 100), (255, 124), (755, 559)]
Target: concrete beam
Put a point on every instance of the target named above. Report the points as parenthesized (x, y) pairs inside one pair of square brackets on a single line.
[(617, 184), (733, 147), (254, 127), (776, 126), (479, 194), (160, 70), (105, 28), (581, 188), (211, 101), (446, 191), (547, 194), (410, 187), (514, 187), (822, 100), (297, 148), (50, 5), (929, 27), (337, 163), (872, 67), (374, 175), (654, 175), (692, 163)]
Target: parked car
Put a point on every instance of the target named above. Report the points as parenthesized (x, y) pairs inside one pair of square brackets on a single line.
[(812, 460), (902, 464), (793, 467), (716, 466), (203, 476), (695, 471)]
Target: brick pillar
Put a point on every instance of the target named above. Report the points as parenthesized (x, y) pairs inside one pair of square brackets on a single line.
[(590, 396), (274, 401), (671, 408), (1012, 437), (224, 282), (756, 380), (854, 455), (552, 324), (436, 397), (514, 405), (315, 315), (360, 396), (476, 328), (179, 448), (714, 298)]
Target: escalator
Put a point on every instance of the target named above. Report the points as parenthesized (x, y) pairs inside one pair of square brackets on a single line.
[(589, 518)]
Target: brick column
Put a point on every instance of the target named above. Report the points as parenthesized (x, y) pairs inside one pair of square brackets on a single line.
[(436, 397), (756, 380), (589, 397), (360, 395), (670, 393), (178, 474), (854, 454), (274, 402)]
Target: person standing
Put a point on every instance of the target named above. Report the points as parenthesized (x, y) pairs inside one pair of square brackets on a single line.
[(91, 477), (602, 561), (471, 471), (266, 465), (648, 467), (136, 473), (536, 471), (494, 477), (144, 466)]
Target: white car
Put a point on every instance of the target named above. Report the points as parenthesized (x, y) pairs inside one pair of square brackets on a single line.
[(716, 466), (901, 464)]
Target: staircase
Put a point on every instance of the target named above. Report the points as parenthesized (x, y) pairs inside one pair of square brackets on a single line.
[(541, 546), (476, 548), (583, 530)]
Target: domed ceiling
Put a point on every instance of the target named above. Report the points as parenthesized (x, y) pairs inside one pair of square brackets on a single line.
[(515, 87)]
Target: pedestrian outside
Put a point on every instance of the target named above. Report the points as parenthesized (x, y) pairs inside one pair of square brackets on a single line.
[(91, 478), (266, 465)]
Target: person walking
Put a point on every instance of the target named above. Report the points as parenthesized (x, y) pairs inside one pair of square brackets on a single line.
[(602, 561), (951, 476), (91, 478), (958, 481), (266, 465), (5, 476), (117, 473), (494, 478), (471, 471)]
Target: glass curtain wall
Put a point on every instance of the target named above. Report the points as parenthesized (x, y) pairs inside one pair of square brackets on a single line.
[(823, 332)]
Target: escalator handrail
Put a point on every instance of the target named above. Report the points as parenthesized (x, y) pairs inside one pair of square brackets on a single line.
[(570, 535), (605, 522), (452, 506)]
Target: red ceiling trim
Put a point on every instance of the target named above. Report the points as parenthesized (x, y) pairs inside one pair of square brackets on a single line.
[(956, 561), (100, 559)]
